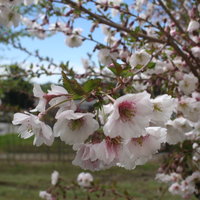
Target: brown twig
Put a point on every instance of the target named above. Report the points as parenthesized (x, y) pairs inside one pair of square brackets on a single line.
[(102, 20)]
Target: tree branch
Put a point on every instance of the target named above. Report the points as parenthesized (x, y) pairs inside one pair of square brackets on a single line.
[(111, 24), (180, 52)]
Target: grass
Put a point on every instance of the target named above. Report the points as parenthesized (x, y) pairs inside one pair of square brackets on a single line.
[(13, 143), (23, 180)]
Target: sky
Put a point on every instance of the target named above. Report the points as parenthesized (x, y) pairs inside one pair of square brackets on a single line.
[(53, 47)]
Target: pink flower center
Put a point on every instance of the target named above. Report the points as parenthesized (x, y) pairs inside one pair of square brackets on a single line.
[(177, 188), (116, 140), (127, 110)]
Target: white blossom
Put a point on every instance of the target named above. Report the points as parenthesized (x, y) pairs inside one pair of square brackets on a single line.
[(8, 16), (54, 177), (137, 151), (193, 26), (74, 127), (196, 51), (84, 179), (139, 58), (29, 2), (188, 84), (106, 57), (164, 106), (37, 92), (31, 125), (57, 95), (175, 189), (86, 158), (59, 26), (194, 134), (176, 130), (45, 195), (109, 150), (190, 107), (131, 114), (74, 39), (168, 178)]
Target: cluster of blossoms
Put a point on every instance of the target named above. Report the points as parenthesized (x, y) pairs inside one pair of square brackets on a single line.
[(179, 186), (8, 12), (54, 181), (84, 180), (150, 47), (183, 130), (129, 130)]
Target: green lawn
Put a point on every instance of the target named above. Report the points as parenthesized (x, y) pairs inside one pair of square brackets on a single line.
[(23, 180), (13, 143)]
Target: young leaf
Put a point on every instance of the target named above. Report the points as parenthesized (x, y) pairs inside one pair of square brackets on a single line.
[(91, 84), (151, 65), (116, 69), (72, 86)]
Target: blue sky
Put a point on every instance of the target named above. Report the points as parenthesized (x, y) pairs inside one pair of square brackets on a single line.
[(53, 47)]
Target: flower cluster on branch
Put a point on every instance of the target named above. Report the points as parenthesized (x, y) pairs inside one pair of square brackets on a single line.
[(145, 92)]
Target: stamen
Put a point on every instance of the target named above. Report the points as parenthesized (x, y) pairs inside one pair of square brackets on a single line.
[(76, 124), (157, 107), (127, 110), (140, 139)]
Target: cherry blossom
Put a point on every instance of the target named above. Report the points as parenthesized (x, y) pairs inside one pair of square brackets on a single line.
[(109, 150), (147, 48), (139, 150), (163, 106), (106, 57), (74, 39), (176, 130), (131, 114), (84, 179), (31, 125), (73, 127), (54, 177), (193, 26), (45, 195), (139, 58), (188, 84), (86, 158)]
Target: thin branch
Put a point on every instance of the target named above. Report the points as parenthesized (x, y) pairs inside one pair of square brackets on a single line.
[(36, 54), (109, 23), (184, 33), (178, 50), (171, 16)]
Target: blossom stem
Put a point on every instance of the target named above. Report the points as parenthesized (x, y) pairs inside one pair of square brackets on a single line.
[(54, 106), (110, 98)]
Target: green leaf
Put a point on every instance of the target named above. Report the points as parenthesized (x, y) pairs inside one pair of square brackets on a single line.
[(136, 30), (151, 65), (72, 86), (127, 71), (116, 69), (91, 84), (138, 66)]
